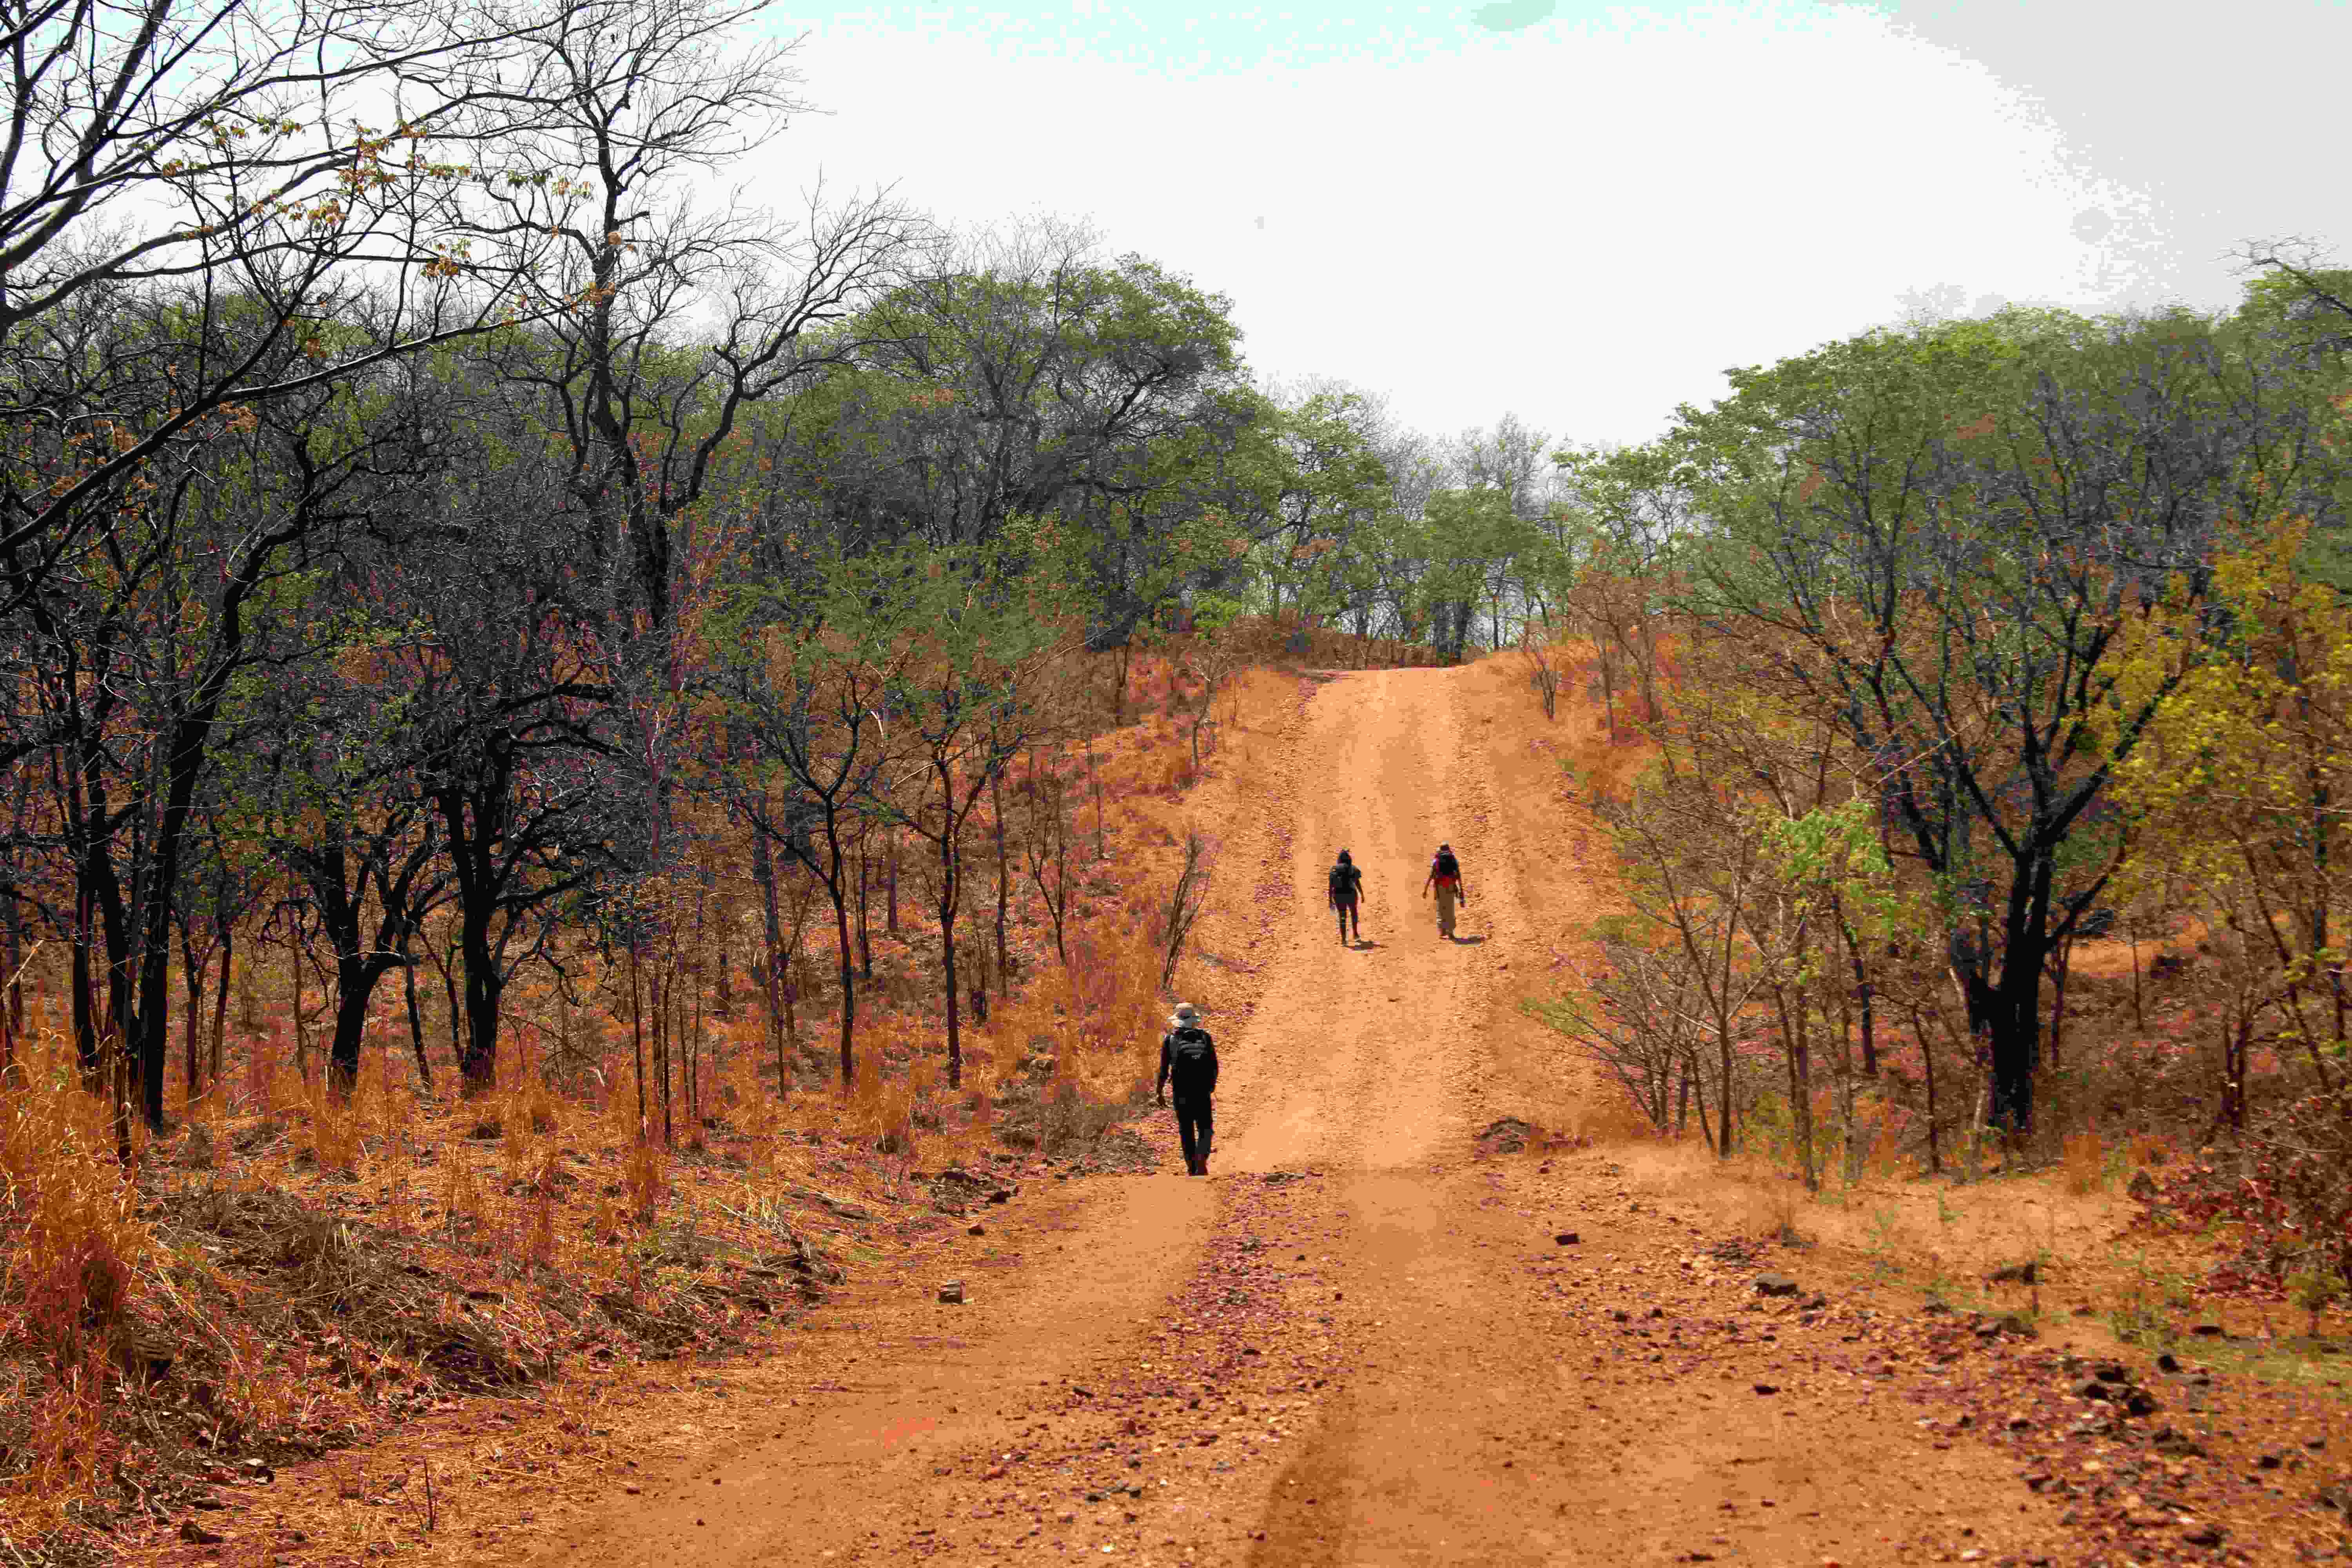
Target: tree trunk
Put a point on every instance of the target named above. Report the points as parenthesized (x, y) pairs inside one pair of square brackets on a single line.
[(355, 981), (192, 976), (659, 988), (1723, 1045), (220, 997), (948, 961), (1004, 882), (451, 1007), (84, 982), (1793, 1037), (950, 896), (1695, 1076), (763, 873), (478, 1063), (1865, 994), (415, 1025), (2012, 1029), (188, 744), (865, 926), (301, 1028), (637, 1037), (1935, 1143)]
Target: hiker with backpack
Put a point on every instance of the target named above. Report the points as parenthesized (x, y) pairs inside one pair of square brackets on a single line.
[(1347, 892), (1446, 881), (1188, 1062)]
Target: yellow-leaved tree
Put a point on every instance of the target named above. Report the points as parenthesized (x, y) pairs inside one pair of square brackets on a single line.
[(2240, 788), (2241, 784)]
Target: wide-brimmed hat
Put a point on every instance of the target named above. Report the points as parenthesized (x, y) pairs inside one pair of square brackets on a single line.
[(1185, 1014)]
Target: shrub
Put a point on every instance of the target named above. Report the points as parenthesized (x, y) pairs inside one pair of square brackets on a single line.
[(2288, 1188)]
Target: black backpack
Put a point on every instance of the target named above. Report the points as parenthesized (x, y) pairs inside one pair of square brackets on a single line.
[(1343, 882), (1190, 1051), (1449, 870)]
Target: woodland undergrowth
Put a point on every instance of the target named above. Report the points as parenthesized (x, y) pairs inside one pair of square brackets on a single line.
[(289, 1270)]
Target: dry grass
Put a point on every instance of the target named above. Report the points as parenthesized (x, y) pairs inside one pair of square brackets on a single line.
[(645, 1177), (74, 1241), (2086, 1163), (320, 1268), (71, 1247)]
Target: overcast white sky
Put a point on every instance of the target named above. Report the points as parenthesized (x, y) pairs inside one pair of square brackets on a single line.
[(1582, 213)]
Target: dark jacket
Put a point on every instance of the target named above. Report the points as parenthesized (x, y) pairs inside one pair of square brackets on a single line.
[(1193, 1079), (1347, 884)]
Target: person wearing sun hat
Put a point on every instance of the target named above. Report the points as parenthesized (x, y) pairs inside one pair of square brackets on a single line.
[(1188, 1060)]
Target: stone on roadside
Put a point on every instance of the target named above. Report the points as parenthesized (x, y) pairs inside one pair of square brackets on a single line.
[(1775, 1285)]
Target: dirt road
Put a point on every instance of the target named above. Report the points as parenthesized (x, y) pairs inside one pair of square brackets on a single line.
[(1359, 1342)]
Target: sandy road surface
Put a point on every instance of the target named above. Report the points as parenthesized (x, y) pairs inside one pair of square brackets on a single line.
[(1357, 1342)]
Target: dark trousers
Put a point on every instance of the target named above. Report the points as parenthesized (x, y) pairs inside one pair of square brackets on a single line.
[(1194, 1123), (1348, 917)]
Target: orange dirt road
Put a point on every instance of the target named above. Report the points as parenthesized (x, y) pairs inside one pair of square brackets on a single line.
[(1357, 1342)]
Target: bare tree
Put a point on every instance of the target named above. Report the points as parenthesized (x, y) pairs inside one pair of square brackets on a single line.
[(1046, 844), (1188, 899), (273, 159), (628, 109), (1642, 1022)]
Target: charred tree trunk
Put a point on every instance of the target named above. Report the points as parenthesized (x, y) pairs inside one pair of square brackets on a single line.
[(220, 997), (473, 814), (415, 1025)]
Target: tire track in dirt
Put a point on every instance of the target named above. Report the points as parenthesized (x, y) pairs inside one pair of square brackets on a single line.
[(1356, 1343)]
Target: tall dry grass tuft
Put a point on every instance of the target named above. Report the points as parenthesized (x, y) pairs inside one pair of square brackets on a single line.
[(461, 1192), (644, 1176), (537, 1239), (335, 1126), (2085, 1162), (881, 1107), (1110, 997), (65, 1443), (72, 1237), (208, 1128)]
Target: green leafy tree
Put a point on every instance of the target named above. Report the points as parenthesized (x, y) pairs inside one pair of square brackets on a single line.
[(1937, 540), (965, 704)]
